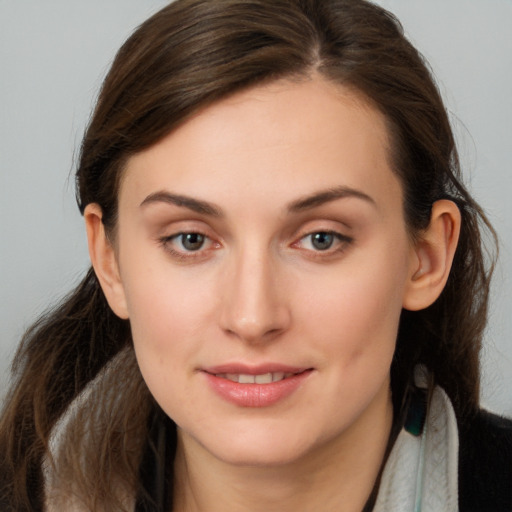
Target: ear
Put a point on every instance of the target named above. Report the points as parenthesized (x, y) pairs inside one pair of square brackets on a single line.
[(104, 261), (432, 256)]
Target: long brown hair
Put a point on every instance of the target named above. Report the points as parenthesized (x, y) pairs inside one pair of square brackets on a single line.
[(187, 56)]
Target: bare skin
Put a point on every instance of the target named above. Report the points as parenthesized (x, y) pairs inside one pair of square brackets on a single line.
[(268, 232), (318, 481)]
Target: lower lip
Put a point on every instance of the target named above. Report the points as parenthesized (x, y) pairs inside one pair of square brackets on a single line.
[(256, 395)]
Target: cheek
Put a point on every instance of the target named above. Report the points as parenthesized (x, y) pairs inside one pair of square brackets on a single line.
[(169, 315), (164, 301), (355, 311)]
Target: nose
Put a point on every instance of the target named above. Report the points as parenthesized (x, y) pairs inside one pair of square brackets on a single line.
[(254, 306)]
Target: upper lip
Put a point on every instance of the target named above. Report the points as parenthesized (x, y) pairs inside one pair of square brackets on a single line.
[(252, 369)]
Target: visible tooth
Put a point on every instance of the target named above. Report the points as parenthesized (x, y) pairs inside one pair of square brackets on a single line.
[(277, 376), (245, 379), (266, 378)]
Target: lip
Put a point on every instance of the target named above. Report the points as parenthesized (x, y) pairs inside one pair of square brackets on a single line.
[(255, 395), (252, 369)]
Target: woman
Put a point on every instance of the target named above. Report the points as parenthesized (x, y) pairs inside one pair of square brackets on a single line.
[(288, 289)]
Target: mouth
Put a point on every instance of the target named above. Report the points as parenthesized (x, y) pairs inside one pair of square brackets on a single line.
[(262, 378), (256, 387)]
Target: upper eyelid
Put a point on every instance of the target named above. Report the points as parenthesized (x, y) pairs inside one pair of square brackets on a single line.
[(340, 236), (180, 227), (306, 230), (185, 232), (323, 222), (174, 236)]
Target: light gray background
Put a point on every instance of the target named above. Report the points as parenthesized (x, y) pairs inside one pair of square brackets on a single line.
[(53, 55)]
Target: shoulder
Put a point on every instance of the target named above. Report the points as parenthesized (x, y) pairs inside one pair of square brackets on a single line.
[(485, 463)]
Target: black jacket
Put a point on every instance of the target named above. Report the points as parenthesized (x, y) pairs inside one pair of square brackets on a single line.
[(485, 464)]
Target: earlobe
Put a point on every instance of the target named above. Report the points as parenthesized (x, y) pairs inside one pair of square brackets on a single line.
[(104, 262), (432, 256)]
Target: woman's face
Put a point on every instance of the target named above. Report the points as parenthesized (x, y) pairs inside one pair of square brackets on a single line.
[(264, 261)]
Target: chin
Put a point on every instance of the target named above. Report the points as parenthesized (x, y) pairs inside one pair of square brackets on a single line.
[(266, 455), (267, 445)]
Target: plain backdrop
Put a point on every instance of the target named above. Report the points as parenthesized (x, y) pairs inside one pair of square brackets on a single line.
[(53, 55)]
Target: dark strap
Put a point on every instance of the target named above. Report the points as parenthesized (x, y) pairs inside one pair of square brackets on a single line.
[(155, 472)]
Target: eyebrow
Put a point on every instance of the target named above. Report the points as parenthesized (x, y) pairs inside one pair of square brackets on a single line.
[(325, 196), (196, 205), (300, 205)]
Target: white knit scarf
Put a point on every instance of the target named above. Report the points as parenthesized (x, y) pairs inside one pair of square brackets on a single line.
[(421, 474)]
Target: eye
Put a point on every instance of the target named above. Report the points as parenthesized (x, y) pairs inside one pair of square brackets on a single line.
[(190, 241), (324, 241), (188, 245)]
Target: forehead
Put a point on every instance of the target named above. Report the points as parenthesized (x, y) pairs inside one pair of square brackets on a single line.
[(284, 139)]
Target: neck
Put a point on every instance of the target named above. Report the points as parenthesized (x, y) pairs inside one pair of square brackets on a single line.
[(339, 476)]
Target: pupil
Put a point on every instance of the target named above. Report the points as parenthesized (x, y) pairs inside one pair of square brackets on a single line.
[(322, 241), (192, 241)]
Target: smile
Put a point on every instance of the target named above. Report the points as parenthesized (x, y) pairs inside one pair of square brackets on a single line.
[(261, 388), (264, 378)]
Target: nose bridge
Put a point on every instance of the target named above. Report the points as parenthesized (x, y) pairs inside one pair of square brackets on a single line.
[(253, 306)]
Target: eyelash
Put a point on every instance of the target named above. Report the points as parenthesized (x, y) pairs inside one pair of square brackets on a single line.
[(185, 255), (340, 241), (343, 239)]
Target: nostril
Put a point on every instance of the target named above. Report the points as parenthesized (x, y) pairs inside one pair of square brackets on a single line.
[(253, 332)]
